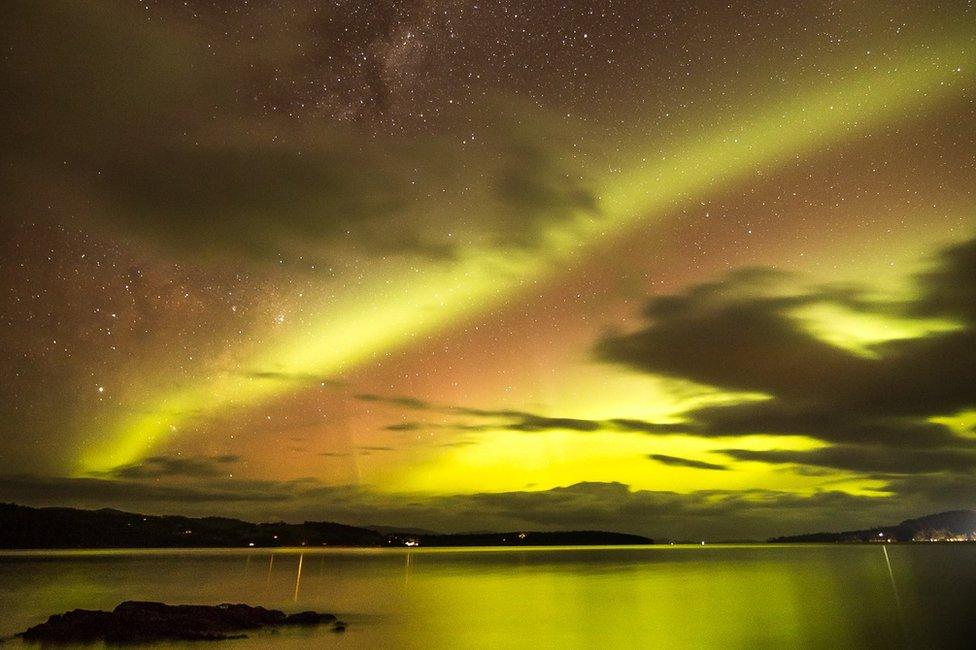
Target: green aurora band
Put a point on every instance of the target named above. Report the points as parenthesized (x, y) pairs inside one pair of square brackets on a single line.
[(391, 311)]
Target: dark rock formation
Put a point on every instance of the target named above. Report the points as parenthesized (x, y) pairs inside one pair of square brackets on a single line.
[(144, 622), (309, 618)]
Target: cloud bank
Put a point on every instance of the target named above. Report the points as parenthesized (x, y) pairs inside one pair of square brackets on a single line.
[(875, 409)]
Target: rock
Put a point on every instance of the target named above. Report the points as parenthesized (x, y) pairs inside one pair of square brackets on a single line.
[(309, 618), (138, 622), (78, 625)]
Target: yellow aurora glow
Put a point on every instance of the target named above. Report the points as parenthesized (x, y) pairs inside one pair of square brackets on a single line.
[(396, 308)]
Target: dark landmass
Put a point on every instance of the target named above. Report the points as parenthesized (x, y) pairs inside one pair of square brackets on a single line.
[(558, 538), (954, 526), (143, 622), (396, 530), (22, 527)]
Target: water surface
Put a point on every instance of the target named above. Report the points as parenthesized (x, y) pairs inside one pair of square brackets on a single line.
[(619, 597)]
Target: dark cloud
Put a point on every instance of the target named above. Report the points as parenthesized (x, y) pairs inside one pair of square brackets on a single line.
[(512, 420), (397, 400), (406, 426), (170, 466), (531, 188), (739, 334), (711, 515), (949, 289), (677, 461), (943, 491), (868, 459), (265, 201), (369, 449), (530, 422), (643, 426), (781, 416), (456, 444), (732, 335), (294, 377)]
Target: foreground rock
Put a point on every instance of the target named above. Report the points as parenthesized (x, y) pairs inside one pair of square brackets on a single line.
[(141, 622)]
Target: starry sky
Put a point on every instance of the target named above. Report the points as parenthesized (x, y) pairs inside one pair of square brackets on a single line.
[(686, 269)]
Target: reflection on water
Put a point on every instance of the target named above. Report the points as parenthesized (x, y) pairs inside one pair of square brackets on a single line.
[(298, 576), (720, 596), (894, 591)]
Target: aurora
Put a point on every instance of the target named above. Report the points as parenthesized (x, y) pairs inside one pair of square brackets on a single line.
[(433, 297)]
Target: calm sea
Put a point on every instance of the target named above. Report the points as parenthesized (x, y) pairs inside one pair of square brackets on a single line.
[(620, 597)]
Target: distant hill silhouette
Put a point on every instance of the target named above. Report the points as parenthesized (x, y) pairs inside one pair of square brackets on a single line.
[(24, 527), (944, 526), (554, 538)]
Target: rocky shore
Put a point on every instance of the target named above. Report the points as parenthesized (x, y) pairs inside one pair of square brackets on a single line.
[(145, 622)]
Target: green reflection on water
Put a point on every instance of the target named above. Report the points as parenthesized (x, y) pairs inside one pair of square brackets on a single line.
[(715, 596)]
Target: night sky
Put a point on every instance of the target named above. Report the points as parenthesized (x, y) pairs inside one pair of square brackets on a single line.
[(690, 269)]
